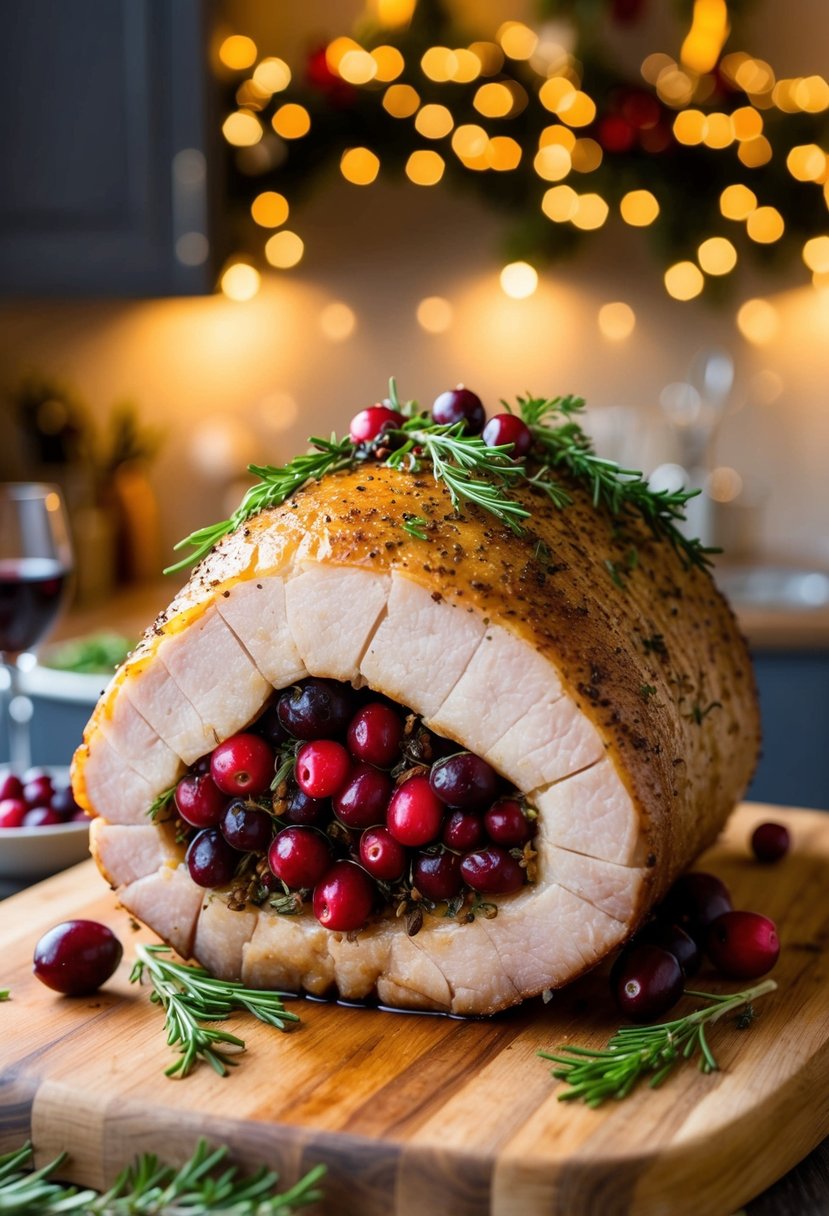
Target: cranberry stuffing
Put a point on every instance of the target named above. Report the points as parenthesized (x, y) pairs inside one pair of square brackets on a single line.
[(243, 764), (299, 857), (369, 424), (12, 812), (316, 709), (63, 801), (647, 983), (210, 859), (374, 735), (322, 768), (492, 871), (77, 957), (743, 945), (363, 800), (415, 813), (675, 940), (437, 875), (464, 780), (41, 817), (343, 900), (506, 823), (508, 428), (270, 727), (463, 830), (382, 855), (10, 787), (246, 828), (199, 800), (770, 842), (694, 901), (460, 405), (38, 792), (302, 810)]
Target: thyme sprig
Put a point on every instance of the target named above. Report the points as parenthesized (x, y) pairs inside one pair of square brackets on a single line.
[(191, 997), (150, 1188), (636, 1051)]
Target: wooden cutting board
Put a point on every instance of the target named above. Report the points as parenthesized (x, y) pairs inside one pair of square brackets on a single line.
[(418, 1114)]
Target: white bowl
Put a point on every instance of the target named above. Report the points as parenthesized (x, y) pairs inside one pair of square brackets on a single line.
[(27, 854)]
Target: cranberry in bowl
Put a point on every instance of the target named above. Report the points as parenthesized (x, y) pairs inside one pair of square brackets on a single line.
[(39, 835)]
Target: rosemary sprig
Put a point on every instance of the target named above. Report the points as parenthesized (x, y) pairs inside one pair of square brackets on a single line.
[(635, 1051), (190, 998), (150, 1188), (414, 525), (5, 994), (160, 803)]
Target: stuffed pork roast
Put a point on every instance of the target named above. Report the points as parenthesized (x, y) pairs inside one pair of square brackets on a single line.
[(599, 675)]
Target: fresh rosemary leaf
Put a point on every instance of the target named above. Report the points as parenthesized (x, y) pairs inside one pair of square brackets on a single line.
[(414, 525), (5, 994), (191, 997), (160, 803), (638, 1051)]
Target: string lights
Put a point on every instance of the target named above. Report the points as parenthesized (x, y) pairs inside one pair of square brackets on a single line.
[(709, 151)]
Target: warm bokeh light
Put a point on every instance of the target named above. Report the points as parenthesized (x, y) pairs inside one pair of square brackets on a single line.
[(723, 484), (684, 281), (389, 62), (359, 166), (242, 129), (807, 162), (517, 40), (439, 63), (765, 225), (434, 121), (690, 127), (469, 66), (719, 131), (434, 314), (737, 202), (357, 67), (394, 12), (552, 163), (425, 168), (705, 39), (717, 255), (503, 153), (811, 94), (401, 100), (238, 52), (555, 134), (556, 92), (754, 76), (337, 321), (674, 87), (494, 100), (758, 321), (272, 75), (747, 122), (519, 280), (560, 203), (586, 155), (240, 281), (755, 152), (591, 212), (269, 209), (291, 121), (816, 254), (284, 249), (616, 321), (577, 109), (639, 208), (335, 51), (654, 65), (470, 143)]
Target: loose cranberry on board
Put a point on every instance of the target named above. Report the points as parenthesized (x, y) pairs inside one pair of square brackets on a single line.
[(77, 957)]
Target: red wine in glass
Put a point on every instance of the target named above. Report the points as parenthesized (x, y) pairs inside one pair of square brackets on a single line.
[(31, 595)]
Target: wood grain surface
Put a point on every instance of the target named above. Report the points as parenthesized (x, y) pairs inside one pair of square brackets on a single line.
[(418, 1114)]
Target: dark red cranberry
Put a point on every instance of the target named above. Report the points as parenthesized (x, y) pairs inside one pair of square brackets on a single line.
[(437, 875), (80, 816), (299, 857), (270, 728), (382, 855), (648, 983), (77, 957), (374, 735), (12, 812), (316, 709), (202, 765), (369, 424), (459, 405), (10, 787), (508, 428), (743, 945), (243, 764), (38, 792), (344, 898), (506, 823), (364, 799), (694, 901), (675, 940), (199, 800), (322, 768), (415, 813), (63, 801), (464, 780), (770, 842), (463, 830), (246, 828), (305, 811), (492, 871), (210, 859), (41, 817)]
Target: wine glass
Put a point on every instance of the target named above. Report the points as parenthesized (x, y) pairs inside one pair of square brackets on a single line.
[(35, 569)]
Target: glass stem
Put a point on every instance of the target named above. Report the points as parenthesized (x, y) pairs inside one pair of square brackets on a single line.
[(18, 716)]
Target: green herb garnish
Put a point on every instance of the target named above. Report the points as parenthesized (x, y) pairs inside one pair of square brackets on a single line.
[(5, 994), (414, 525), (160, 803)]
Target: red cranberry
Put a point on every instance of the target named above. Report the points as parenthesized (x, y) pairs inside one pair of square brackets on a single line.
[(12, 812), (508, 428), (437, 875), (243, 764), (76, 957), (463, 830), (322, 768), (246, 828), (647, 984), (10, 787), (369, 424), (374, 735), (344, 898), (675, 940), (199, 800), (743, 945), (210, 859), (459, 405), (492, 871), (415, 813), (364, 798), (464, 780), (63, 801), (38, 792), (506, 823), (694, 901), (309, 812), (382, 855), (316, 709), (41, 817), (770, 842), (299, 857)]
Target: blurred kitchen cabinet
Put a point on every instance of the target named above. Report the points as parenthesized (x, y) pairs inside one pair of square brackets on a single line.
[(794, 702), (108, 147)]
